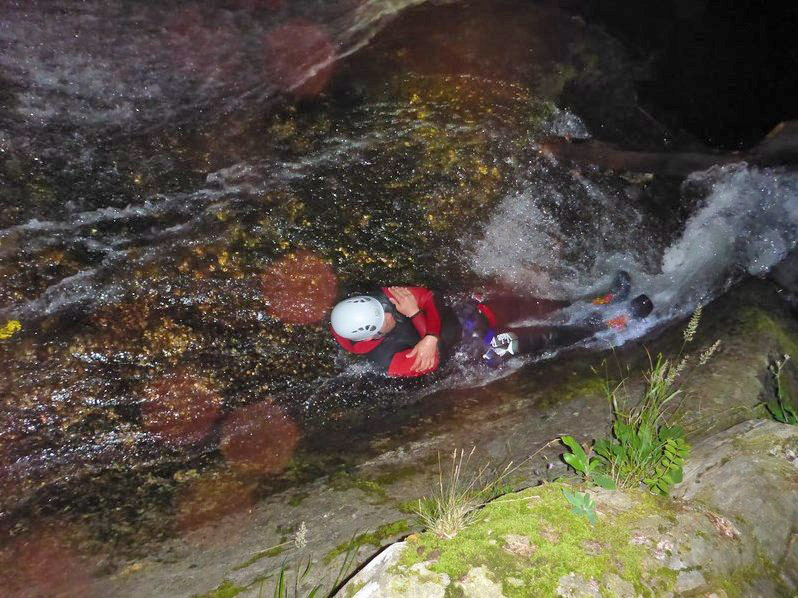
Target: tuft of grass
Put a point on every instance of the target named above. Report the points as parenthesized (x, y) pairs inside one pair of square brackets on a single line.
[(781, 408), (460, 493), (284, 589)]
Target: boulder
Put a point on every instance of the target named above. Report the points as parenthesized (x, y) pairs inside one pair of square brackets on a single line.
[(749, 476)]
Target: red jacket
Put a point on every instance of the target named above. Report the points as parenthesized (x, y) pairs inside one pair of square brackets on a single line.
[(426, 322)]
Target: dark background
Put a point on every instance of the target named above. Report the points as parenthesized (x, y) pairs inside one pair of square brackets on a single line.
[(722, 71)]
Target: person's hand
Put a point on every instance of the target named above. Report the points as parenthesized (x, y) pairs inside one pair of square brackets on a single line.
[(425, 352), (404, 301)]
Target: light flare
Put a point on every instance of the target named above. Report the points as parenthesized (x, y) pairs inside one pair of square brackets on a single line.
[(259, 438), (180, 409), (208, 499), (299, 288), (300, 56), (42, 563)]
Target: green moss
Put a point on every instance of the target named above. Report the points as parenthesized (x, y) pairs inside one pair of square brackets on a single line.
[(561, 540), (408, 506), (395, 475), (354, 588), (740, 581), (592, 386), (756, 322), (372, 487), (763, 442), (271, 552), (297, 499), (227, 589), (375, 538), (344, 481)]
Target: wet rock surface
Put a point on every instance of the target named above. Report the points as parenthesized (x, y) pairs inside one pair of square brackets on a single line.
[(227, 538), (171, 285), (171, 413)]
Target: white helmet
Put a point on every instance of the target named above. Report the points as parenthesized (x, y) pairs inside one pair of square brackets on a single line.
[(357, 318)]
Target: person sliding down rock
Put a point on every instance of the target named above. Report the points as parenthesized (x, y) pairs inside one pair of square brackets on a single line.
[(399, 329), (406, 333)]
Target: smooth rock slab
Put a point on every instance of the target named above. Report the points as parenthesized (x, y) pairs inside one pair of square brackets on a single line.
[(745, 474)]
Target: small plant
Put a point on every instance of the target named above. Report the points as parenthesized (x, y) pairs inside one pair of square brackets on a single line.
[(651, 454), (581, 504), (582, 463), (645, 447), (301, 536), (284, 589), (780, 408), (459, 495)]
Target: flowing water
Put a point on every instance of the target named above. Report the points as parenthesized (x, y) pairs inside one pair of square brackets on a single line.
[(189, 186)]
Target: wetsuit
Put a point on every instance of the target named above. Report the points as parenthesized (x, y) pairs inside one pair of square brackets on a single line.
[(498, 314), (389, 353), (472, 325)]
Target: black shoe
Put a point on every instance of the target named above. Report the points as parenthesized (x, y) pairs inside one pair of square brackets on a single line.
[(640, 307)]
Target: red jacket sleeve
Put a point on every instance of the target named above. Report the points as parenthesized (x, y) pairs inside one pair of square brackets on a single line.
[(400, 365), (429, 320), (359, 347)]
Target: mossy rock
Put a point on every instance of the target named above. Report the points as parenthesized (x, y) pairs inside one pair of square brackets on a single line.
[(531, 543)]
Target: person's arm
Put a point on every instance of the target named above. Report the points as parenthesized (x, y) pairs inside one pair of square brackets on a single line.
[(428, 322), (418, 304), (359, 347), (403, 365)]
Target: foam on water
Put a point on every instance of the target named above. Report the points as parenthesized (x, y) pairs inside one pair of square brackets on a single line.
[(745, 223), (110, 62)]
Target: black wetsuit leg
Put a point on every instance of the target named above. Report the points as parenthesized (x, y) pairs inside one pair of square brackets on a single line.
[(538, 339)]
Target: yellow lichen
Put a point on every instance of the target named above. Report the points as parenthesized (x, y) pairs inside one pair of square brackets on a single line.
[(10, 329)]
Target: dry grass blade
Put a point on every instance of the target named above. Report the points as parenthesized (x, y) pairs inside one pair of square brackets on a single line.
[(460, 493)]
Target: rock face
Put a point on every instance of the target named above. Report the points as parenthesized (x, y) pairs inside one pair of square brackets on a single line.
[(749, 473), (525, 412), (728, 531)]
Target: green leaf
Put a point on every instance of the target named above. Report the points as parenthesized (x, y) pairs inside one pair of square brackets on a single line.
[(575, 462), (623, 432), (791, 415), (673, 432), (604, 481), (582, 505), (575, 447), (676, 475), (776, 411), (280, 589), (570, 497)]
